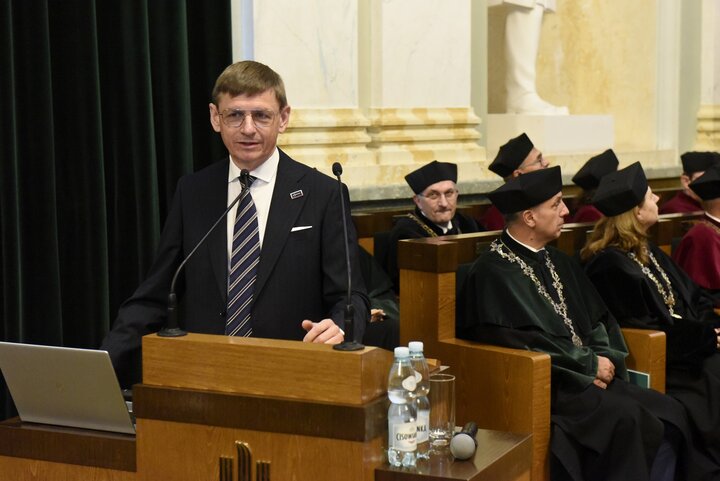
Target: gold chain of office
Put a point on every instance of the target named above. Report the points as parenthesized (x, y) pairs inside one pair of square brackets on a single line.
[(665, 291), (559, 307), (422, 224)]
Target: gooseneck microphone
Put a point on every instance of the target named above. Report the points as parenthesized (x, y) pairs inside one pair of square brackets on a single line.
[(463, 444), (171, 328), (351, 344)]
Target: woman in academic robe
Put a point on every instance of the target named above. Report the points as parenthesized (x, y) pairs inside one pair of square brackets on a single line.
[(643, 288)]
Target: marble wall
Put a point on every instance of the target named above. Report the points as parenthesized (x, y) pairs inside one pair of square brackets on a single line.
[(384, 86), (596, 58)]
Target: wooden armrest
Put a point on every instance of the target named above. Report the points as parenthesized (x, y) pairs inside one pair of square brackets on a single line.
[(503, 389), (647, 354)]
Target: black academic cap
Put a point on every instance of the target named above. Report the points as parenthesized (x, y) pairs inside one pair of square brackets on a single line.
[(589, 175), (707, 186), (511, 155), (620, 191), (698, 161), (527, 190), (431, 173)]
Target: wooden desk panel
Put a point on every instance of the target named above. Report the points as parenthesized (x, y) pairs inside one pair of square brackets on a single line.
[(41, 452), (191, 452), (58, 444), (22, 469), (500, 456)]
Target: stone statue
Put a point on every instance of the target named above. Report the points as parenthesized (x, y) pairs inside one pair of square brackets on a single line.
[(522, 40)]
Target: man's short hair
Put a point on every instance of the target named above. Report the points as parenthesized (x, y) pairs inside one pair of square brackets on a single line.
[(511, 218), (249, 78)]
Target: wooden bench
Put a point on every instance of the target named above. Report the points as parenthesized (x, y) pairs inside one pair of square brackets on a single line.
[(515, 393), (369, 221)]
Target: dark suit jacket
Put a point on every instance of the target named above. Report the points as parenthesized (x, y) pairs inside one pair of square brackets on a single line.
[(302, 274)]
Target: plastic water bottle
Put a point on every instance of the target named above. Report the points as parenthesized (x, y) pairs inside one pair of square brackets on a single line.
[(420, 400), (402, 424)]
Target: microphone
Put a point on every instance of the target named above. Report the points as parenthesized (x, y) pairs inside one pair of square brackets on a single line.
[(171, 328), (463, 444), (352, 344)]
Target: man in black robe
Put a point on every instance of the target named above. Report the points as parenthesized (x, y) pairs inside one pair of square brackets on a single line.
[(515, 157), (436, 195), (694, 165), (588, 178), (525, 295)]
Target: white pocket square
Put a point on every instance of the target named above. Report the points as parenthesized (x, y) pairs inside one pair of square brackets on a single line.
[(300, 227)]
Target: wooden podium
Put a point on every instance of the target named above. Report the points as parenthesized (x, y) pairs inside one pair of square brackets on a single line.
[(227, 408)]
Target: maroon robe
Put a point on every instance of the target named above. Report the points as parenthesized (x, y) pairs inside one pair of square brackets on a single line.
[(681, 203), (586, 213), (699, 253), (493, 219)]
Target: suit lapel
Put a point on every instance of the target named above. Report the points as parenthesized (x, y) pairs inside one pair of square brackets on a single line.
[(284, 211)]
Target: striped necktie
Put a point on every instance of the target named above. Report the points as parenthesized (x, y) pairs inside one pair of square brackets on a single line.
[(244, 260)]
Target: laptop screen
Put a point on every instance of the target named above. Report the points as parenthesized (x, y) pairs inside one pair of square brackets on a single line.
[(64, 386)]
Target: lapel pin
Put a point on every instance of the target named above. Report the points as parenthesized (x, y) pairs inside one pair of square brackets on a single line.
[(296, 195)]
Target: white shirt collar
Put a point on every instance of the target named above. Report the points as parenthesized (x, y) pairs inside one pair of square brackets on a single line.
[(265, 171), (713, 217), (444, 228), (532, 249)]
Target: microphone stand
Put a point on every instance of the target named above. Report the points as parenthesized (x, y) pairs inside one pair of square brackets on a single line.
[(352, 344)]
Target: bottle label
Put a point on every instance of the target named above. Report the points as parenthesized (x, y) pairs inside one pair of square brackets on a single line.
[(423, 419), (404, 436), (409, 383)]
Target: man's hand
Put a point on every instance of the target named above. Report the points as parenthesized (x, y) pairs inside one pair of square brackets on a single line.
[(377, 315), (717, 340), (600, 384), (323, 332), (605, 370)]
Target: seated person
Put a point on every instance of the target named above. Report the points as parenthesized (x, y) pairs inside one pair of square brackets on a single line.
[(516, 157), (588, 178), (383, 328), (694, 165), (525, 295), (435, 198), (698, 253), (643, 288)]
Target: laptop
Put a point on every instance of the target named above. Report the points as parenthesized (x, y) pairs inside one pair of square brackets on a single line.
[(65, 386)]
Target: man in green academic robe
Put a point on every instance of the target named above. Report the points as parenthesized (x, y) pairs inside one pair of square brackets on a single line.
[(526, 295)]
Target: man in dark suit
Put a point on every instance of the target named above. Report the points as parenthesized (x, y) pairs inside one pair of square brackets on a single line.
[(298, 285)]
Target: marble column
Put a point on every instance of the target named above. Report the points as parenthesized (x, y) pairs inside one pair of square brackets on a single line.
[(419, 94), (708, 126), (313, 45)]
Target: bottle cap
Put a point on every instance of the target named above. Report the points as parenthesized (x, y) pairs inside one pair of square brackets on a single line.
[(402, 352), (416, 346)]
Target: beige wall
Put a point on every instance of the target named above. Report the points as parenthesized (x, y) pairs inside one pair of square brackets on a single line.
[(597, 57)]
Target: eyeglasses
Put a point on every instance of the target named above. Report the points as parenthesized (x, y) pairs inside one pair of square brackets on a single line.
[(435, 196), (540, 160), (235, 117)]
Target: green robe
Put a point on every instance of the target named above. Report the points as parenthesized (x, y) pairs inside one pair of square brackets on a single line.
[(608, 434), (499, 295)]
